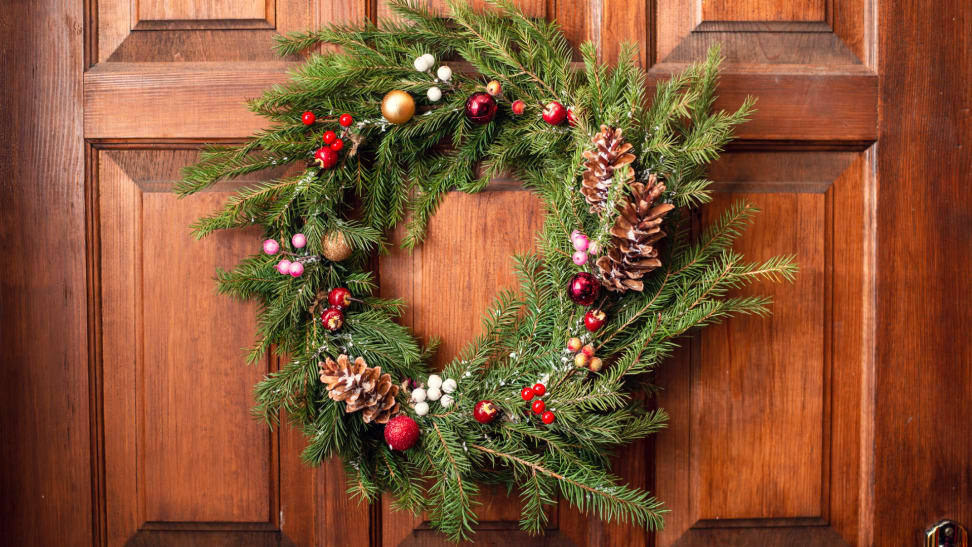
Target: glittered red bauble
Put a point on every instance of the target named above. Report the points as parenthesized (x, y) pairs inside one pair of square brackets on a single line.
[(594, 319), (548, 417), (325, 157), (339, 297), (308, 117), (401, 432), (481, 107), (583, 289), (333, 319), (527, 393), (554, 113), (485, 412), (538, 406), (518, 107)]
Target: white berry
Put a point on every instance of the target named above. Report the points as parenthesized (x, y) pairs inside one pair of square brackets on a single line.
[(429, 60), (434, 94), (434, 393), (418, 395), (446, 401), (449, 385), (434, 381), (421, 64), (422, 408), (444, 73)]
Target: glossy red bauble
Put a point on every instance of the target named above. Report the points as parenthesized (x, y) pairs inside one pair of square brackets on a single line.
[(333, 319), (345, 120), (554, 113), (527, 393), (485, 412), (583, 289), (539, 389), (328, 137), (337, 145), (548, 417), (325, 157), (339, 298), (308, 118), (518, 107), (538, 406), (401, 432), (594, 319), (481, 107)]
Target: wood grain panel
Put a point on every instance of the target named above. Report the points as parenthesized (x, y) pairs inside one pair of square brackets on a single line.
[(763, 10), (194, 10)]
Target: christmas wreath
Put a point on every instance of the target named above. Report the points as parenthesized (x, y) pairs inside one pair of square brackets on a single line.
[(381, 131)]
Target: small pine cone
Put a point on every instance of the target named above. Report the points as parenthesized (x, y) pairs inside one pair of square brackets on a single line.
[(634, 238), (361, 388), (610, 153)]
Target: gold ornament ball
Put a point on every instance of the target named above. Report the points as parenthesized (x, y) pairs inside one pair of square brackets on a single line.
[(335, 247), (397, 107)]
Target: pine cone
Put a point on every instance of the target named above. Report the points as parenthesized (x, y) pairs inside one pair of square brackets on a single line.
[(633, 238), (610, 153), (361, 388)]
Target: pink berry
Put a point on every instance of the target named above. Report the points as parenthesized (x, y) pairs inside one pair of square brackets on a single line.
[(594, 249), (271, 246), (283, 266), (580, 258), (296, 268), (581, 243), (298, 241), (574, 234)]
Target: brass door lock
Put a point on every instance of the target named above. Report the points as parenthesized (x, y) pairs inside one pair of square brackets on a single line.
[(946, 533)]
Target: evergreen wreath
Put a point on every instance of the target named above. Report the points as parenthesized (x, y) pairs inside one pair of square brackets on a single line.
[(618, 180)]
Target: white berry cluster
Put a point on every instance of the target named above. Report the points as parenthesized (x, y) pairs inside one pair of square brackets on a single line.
[(424, 63), (437, 390)]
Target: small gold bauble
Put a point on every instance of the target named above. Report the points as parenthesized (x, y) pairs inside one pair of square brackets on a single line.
[(397, 107), (335, 247)]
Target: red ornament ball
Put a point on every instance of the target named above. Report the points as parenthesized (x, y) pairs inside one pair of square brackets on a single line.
[(325, 157), (401, 432), (554, 113), (339, 297), (485, 412), (538, 406), (539, 389), (308, 118), (518, 107), (345, 120), (594, 320), (527, 393), (583, 289), (337, 145), (548, 417), (481, 107), (328, 137), (333, 319)]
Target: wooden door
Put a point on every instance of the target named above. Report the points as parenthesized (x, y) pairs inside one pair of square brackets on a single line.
[(843, 419)]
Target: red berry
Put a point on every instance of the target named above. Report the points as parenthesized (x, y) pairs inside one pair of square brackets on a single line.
[(527, 393), (485, 412), (333, 319), (339, 298), (538, 406), (345, 120), (308, 117), (588, 350), (548, 417), (571, 117), (328, 137), (554, 113), (337, 145), (325, 157), (594, 319), (539, 389), (518, 107), (401, 432)]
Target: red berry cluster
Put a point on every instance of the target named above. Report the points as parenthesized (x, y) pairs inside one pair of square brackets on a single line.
[(538, 406), (333, 317), (584, 355), (327, 156)]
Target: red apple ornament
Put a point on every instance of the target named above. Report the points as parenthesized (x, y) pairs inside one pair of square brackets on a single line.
[(485, 412), (401, 432), (339, 297), (594, 320), (325, 157), (554, 113), (333, 319)]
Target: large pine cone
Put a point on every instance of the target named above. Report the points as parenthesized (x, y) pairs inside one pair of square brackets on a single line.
[(610, 153), (633, 238), (361, 388)]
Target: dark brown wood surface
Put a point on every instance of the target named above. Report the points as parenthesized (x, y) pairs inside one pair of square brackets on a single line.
[(843, 419)]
